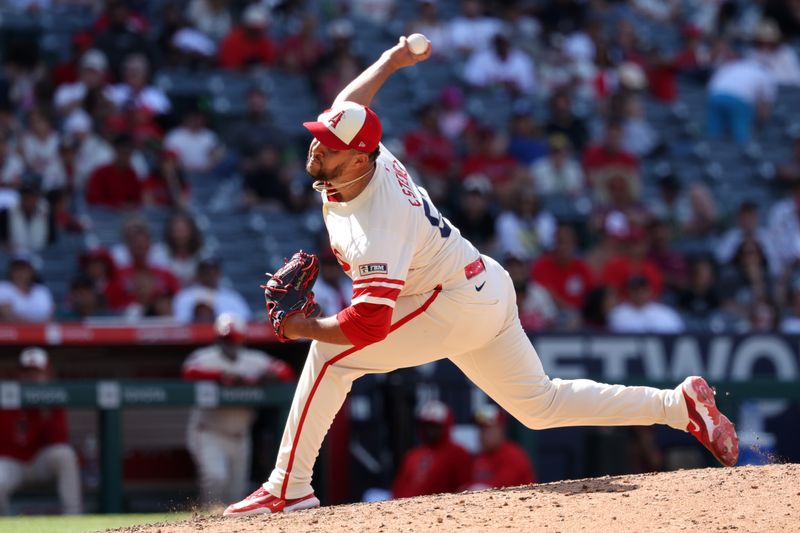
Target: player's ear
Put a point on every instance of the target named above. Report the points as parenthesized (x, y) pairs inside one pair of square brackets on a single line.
[(361, 159)]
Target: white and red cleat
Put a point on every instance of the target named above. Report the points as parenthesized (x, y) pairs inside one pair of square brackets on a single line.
[(707, 424), (262, 502)]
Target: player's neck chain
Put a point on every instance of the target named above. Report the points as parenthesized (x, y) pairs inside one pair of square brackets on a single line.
[(328, 188)]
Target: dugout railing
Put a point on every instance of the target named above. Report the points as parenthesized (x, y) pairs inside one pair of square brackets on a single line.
[(110, 398)]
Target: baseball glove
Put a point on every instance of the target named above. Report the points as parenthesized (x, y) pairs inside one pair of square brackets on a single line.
[(288, 291)]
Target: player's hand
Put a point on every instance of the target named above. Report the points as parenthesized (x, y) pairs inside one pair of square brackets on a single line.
[(399, 56)]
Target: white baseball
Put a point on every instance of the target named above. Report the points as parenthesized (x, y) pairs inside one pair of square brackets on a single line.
[(417, 43)]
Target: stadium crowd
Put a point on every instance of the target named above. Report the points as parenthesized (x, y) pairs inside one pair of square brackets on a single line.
[(634, 163), (90, 128)]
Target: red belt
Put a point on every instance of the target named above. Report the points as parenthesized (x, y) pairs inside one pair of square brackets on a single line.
[(474, 268)]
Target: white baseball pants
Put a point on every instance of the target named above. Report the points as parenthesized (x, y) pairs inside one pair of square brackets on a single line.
[(57, 462), (477, 328), (223, 464)]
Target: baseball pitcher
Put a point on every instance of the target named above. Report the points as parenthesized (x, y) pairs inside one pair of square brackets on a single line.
[(422, 292)]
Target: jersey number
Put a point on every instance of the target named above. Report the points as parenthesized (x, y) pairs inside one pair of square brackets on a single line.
[(436, 219)]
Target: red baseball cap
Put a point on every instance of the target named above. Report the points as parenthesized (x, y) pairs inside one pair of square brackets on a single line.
[(489, 415), (347, 126)]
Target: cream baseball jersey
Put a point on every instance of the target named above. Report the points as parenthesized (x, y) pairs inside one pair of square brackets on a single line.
[(210, 363), (391, 240)]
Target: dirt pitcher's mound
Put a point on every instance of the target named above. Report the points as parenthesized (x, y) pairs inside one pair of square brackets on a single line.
[(744, 499)]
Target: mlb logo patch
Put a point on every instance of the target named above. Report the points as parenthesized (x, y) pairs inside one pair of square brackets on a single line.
[(373, 268)]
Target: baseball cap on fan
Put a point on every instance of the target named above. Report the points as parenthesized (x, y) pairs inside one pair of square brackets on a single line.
[(347, 126), (34, 358)]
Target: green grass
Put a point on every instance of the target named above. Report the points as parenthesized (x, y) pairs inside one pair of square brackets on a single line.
[(81, 524)]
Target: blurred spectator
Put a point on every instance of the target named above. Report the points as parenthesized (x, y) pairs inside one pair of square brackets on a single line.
[(619, 193), (790, 323), (88, 91), (428, 23), (563, 120), (703, 211), (333, 290), (671, 206), (255, 130), (34, 448), (526, 144), (427, 149), (83, 301), (786, 15), (536, 309), (116, 184), (614, 232), (198, 148), (184, 242), (68, 71), (208, 287), (784, 227), (135, 92), (472, 31), (137, 240), (192, 49), (122, 37), (39, 147), (694, 60), (339, 65), (500, 462), (669, 261), (639, 137), (748, 228), (90, 150), (167, 185), (11, 164), (608, 161), (488, 155), (145, 289), (527, 229), (596, 309), (219, 439), (763, 317), (563, 16), (790, 171), (453, 118), (745, 280), (211, 17), (778, 58), (437, 464), (633, 261), (22, 296), (377, 12), (566, 276), (475, 217), (29, 225), (558, 172), (740, 92), (501, 65), (248, 44), (268, 185), (302, 49), (701, 298), (641, 314), (97, 265)]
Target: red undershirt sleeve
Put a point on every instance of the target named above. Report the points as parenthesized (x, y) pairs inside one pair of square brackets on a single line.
[(365, 323)]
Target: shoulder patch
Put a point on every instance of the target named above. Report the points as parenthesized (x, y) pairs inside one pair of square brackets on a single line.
[(373, 268)]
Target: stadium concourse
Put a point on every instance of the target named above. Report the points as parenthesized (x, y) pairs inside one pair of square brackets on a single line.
[(635, 165)]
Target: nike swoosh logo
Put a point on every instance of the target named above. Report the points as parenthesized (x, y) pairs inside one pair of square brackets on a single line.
[(479, 287)]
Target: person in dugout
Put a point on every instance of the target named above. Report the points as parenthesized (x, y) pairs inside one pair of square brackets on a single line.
[(219, 439), (438, 464), (33, 444), (500, 462)]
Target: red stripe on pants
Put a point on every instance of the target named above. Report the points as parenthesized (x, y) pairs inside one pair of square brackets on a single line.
[(333, 360)]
